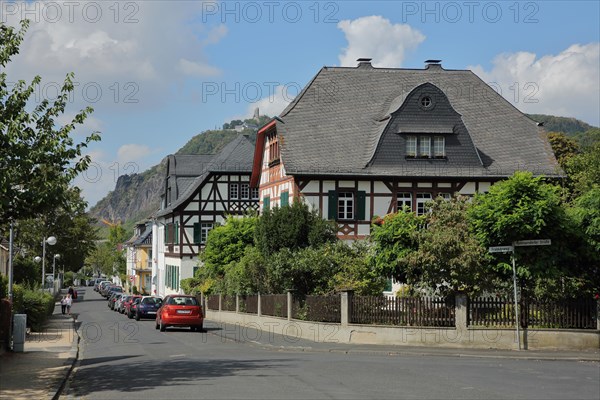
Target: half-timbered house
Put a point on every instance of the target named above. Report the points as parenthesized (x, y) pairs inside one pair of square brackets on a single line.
[(199, 192), (362, 142)]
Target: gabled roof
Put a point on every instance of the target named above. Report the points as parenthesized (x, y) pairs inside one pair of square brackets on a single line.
[(335, 124), (145, 238), (236, 156)]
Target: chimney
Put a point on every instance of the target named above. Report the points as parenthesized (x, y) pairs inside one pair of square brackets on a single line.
[(364, 62), (434, 65)]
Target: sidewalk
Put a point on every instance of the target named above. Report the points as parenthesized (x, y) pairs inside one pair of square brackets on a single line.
[(41, 370), (246, 334)]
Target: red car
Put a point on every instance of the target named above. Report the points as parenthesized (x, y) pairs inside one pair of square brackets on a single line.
[(180, 310), (129, 307)]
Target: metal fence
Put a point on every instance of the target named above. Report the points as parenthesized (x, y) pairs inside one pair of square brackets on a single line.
[(274, 305), (534, 313), (418, 311)]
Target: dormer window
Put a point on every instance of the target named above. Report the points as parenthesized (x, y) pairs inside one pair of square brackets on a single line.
[(439, 147), (425, 147), (411, 146), (426, 102), (421, 147)]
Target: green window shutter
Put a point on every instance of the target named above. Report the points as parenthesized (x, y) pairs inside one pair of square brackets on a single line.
[(168, 233), (165, 236), (332, 208), (197, 233), (266, 203), (388, 285), (176, 232), (285, 199), (360, 205)]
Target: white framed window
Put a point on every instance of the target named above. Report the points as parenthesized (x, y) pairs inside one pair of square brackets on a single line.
[(411, 146), (345, 205), (422, 200), (425, 147), (205, 227), (404, 199), (439, 147), (245, 191), (255, 193), (446, 196), (233, 191)]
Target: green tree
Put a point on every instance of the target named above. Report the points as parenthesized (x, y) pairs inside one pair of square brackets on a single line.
[(449, 256), (354, 269), (69, 223), (395, 237), (586, 212), (584, 169), (38, 160), (520, 208), (292, 227), (226, 244), (564, 148)]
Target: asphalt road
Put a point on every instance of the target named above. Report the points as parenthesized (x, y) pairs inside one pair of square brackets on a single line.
[(124, 359)]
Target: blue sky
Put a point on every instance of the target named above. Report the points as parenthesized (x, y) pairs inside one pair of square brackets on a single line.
[(159, 72)]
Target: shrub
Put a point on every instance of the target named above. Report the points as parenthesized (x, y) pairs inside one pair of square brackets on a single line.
[(3, 286), (36, 304)]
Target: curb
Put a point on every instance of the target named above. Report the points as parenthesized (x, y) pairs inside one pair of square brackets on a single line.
[(396, 353), (73, 356)]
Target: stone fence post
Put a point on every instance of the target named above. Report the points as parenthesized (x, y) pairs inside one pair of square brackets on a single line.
[(259, 310), (460, 311), (237, 303), (346, 302), (290, 301), (598, 314), (220, 302)]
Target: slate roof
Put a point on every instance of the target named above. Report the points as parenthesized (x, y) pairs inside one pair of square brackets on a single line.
[(144, 238), (334, 126), (236, 156)]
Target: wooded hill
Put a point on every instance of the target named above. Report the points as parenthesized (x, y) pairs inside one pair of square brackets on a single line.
[(137, 196)]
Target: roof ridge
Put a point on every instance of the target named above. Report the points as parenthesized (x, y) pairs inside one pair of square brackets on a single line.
[(292, 105)]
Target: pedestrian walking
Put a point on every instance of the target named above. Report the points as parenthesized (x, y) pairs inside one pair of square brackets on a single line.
[(63, 305), (68, 302)]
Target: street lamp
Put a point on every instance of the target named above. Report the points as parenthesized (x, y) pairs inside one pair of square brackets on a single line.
[(51, 241), (56, 257)]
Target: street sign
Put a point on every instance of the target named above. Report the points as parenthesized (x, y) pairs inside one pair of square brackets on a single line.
[(535, 242), (501, 249)]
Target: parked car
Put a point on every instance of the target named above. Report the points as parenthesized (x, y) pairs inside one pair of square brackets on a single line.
[(147, 307), (180, 310), (120, 304), (112, 300), (99, 286), (103, 286), (131, 307), (113, 289)]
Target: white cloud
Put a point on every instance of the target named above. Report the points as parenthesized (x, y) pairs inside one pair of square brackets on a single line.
[(197, 68), (142, 43), (105, 169), (377, 38), (275, 102), (565, 84), (133, 152)]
